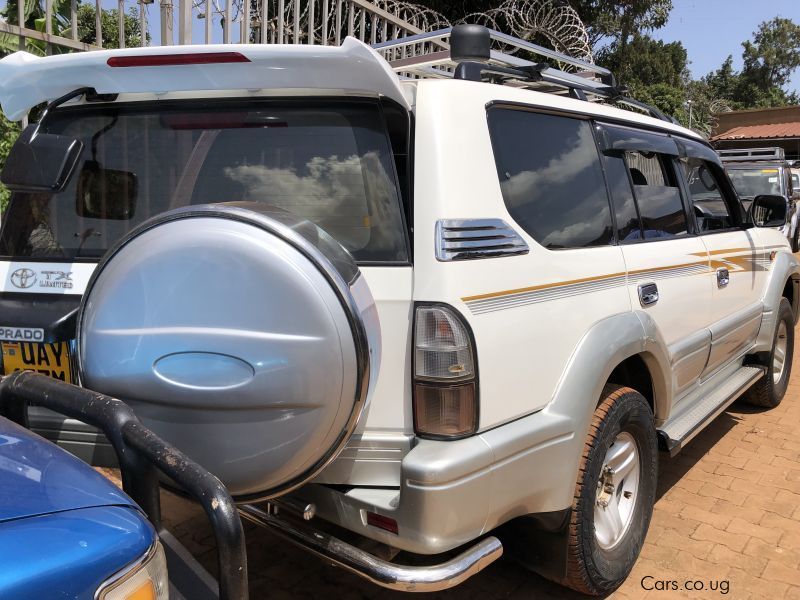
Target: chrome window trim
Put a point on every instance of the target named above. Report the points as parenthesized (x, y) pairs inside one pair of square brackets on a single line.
[(469, 239)]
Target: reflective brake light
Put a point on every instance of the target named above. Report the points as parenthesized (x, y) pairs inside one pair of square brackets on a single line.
[(167, 60), (445, 392), (382, 522)]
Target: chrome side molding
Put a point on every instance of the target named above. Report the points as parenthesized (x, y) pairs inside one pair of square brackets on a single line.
[(464, 239), (431, 578)]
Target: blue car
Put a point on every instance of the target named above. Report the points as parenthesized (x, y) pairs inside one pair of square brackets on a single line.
[(67, 532)]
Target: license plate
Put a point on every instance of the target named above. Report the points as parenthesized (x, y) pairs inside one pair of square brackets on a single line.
[(48, 359)]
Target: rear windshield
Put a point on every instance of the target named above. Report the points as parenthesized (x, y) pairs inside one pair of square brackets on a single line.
[(751, 182), (331, 164)]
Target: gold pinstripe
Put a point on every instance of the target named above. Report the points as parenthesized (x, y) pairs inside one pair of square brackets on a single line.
[(723, 257)]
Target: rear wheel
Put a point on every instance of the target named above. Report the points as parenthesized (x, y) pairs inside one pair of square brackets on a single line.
[(796, 238), (770, 389), (614, 494)]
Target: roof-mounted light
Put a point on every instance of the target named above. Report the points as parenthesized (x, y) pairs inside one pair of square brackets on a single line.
[(169, 60)]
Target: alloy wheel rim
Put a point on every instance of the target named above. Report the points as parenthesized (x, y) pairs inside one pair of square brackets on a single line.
[(779, 353), (617, 491)]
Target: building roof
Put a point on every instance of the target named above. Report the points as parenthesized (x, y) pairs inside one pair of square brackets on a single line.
[(755, 132)]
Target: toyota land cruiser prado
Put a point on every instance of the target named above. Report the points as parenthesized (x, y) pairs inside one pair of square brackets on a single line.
[(422, 296)]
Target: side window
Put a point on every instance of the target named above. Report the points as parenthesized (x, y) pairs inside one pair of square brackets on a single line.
[(551, 177), (657, 195), (707, 201)]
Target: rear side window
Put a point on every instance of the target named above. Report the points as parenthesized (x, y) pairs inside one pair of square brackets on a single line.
[(657, 195), (551, 178), (330, 163)]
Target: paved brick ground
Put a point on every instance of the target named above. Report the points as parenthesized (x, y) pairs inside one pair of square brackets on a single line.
[(727, 516)]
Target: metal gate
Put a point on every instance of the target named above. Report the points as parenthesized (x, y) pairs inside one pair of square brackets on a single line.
[(322, 22)]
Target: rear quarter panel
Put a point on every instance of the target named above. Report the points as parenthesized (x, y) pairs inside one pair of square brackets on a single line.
[(529, 312)]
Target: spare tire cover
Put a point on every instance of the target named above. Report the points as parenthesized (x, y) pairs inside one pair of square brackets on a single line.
[(243, 335)]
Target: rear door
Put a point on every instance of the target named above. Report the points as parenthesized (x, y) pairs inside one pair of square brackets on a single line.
[(667, 264), (737, 259)]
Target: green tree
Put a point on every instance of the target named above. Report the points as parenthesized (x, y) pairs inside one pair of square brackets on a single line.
[(109, 27), (645, 61), (725, 80), (8, 133), (769, 61), (35, 18), (620, 20), (773, 55), (614, 20)]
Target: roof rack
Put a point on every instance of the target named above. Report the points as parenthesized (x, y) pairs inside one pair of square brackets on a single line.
[(477, 53), (751, 154)]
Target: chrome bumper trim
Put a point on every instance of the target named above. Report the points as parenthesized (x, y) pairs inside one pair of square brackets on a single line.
[(380, 572)]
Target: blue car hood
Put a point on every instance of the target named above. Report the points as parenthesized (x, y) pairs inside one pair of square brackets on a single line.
[(38, 478)]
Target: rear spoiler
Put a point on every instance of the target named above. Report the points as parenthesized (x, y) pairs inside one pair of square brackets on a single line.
[(350, 69)]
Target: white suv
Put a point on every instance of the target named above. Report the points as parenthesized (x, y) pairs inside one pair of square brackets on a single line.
[(419, 307)]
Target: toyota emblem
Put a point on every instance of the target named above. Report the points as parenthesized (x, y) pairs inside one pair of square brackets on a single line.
[(23, 278)]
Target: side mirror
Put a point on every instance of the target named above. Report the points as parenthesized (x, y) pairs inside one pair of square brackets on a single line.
[(105, 193), (40, 162), (768, 210)]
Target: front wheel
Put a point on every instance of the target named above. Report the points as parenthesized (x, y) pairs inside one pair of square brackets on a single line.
[(614, 494), (770, 389)]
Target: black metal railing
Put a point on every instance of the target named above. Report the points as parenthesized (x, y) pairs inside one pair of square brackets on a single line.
[(141, 455)]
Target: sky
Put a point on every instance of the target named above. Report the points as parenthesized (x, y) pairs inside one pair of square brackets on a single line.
[(710, 30)]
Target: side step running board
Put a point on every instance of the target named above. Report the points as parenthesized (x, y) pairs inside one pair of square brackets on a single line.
[(390, 575), (677, 432)]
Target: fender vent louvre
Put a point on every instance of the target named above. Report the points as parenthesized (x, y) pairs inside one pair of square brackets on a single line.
[(465, 239)]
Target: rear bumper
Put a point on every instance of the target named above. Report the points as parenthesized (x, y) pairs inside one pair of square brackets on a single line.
[(451, 493), (431, 578)]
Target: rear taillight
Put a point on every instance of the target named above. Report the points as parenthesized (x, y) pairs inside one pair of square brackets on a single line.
[(445, 374)]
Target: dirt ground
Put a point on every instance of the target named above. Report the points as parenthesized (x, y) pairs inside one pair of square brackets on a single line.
[(726, 523)]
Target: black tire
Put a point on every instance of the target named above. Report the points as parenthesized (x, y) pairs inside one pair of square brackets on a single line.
[(767, 392), (796, 237), (592, 569)]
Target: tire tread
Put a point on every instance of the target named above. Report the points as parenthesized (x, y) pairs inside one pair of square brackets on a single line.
[(578, 576)]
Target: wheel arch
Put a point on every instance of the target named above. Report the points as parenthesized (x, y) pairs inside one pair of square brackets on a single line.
[(631, 339), (791, 291), (783, 282), (609, 343)]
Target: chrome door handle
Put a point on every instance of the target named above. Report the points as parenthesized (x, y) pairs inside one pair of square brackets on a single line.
[(648, 293), (723, 277)]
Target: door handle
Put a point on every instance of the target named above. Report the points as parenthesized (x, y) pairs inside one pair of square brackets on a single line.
[(723, 277), (648, 293)]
